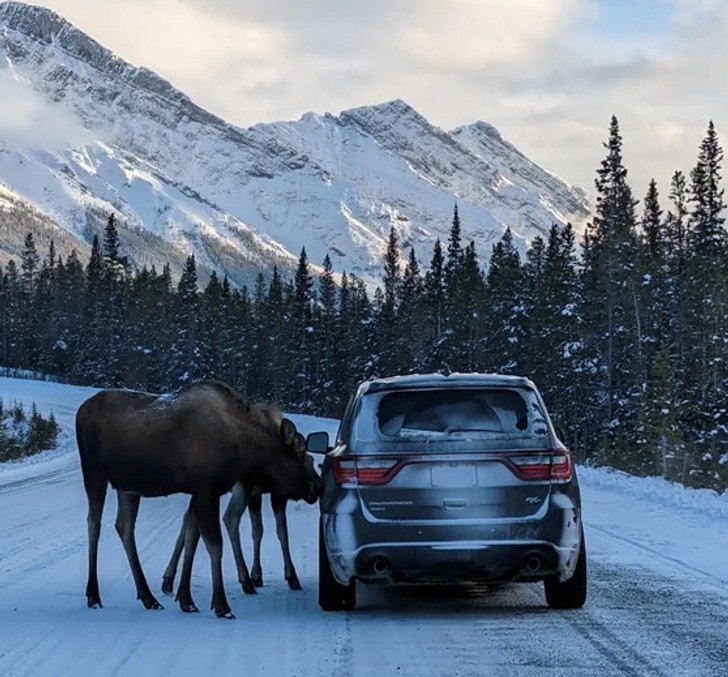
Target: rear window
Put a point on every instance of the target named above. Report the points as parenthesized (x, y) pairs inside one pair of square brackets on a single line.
[(466, 412)]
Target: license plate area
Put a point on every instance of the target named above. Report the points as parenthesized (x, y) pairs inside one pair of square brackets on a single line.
[(453, 475)]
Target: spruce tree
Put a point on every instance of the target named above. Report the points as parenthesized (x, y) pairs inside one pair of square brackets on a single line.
[(413, 343), (435, 298), (90, 365), (467, 313), (455, 255), (386, 357), (611, 312), (184, 364), (326, 344), (660, 448), (303, 340), (504, 308), (704, 314)]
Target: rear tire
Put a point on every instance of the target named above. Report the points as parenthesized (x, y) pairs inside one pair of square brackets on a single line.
[(332, 595), (569, 594)]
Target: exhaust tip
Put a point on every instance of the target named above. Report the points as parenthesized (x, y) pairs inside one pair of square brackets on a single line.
[(533, 564), (380, 566)]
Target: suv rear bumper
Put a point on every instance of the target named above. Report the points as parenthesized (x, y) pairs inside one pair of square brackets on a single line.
[(488, 550)]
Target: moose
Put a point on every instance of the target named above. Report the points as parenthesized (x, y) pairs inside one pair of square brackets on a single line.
[(200, 441), (239, 502)]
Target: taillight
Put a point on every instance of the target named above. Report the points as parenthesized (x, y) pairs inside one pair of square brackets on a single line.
[(364, 470), (542, 466)]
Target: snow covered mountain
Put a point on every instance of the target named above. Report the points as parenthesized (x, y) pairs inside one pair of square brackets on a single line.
[(182, 180)]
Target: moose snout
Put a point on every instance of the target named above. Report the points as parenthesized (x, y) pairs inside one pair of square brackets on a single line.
[(315, 490)]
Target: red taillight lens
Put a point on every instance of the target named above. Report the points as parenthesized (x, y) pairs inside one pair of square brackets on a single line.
[(344, 470), (364, 471), (542, 466)]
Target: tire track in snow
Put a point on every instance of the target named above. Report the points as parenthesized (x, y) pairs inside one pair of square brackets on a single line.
[(656, 553), (609, 645), (677, 624)]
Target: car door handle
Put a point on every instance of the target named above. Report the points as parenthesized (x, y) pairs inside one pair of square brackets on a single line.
[(455, 503)]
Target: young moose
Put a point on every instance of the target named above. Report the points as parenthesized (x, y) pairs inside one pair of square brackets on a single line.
[(200, 441), (239, 502)]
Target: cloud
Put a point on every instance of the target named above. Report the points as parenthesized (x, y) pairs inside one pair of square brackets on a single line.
[(29, 120)]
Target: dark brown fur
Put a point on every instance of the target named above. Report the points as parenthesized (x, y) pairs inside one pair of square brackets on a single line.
[(199, 441)]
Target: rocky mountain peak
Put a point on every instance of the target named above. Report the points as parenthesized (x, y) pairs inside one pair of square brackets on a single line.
[(182, 180)]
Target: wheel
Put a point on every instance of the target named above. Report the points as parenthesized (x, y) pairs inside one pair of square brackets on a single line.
[(332, 595), (569, 594)]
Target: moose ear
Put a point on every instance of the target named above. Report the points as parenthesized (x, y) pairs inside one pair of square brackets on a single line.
[(288, 430), (299, 444)]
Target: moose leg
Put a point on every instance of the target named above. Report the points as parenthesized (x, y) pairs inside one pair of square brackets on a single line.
[(207, 513), (279, 510), (171, 571), (256, 522), (125, 521), (96, 492), (235, 509), (191, 538)]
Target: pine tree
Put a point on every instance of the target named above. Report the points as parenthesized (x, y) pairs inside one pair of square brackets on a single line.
[(412, 344), (27, 346), (111, 239), (326, 343), (704, 314), (455, 255), (435, 297), (386, 357), (466, 314), (610, 301), (652, 223), (185, 353), (654, 277), (303, 340), (115, 292), (660, 448), (504, 308)]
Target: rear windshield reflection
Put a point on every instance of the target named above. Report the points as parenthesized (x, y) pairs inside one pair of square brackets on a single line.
[(486, 412)]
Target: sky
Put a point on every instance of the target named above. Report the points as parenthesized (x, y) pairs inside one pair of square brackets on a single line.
[(547, 73)]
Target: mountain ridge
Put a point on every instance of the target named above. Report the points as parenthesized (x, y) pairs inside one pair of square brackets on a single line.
[(243, 199)]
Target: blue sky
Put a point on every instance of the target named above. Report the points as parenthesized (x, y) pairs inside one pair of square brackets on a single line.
[(547, 73), (630, 21)]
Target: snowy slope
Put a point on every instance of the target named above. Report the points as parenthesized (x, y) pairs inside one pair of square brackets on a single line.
[(173, 170), (658, 600)]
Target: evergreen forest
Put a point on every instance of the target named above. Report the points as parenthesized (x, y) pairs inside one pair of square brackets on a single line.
[(624, 330)]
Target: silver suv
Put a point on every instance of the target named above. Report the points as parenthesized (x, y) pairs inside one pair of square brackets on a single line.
[(446, 479)]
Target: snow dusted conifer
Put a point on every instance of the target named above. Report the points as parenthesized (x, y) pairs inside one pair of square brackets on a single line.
[(611, 314), (185, 353), (660, 448), (455, 255), (435, 298), (704, 314), (504, 308)]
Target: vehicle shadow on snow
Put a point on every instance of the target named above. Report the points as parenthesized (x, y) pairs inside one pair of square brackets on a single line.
[(505, 600)]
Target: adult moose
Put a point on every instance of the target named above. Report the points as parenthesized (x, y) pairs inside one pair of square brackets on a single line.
[(239, 502), (200, 441)]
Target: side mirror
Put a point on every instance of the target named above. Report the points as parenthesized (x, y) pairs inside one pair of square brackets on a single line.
[(560, 434), (317, 443)]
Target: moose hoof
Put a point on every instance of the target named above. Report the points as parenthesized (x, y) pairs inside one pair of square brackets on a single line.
[(152, 604), (167, 585), (294, 583), (225, 615), (189, 608), (258, 581), (94, 603), (249, 587)]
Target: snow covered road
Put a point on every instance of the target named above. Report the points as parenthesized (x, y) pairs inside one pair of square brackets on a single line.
[(658, 601)]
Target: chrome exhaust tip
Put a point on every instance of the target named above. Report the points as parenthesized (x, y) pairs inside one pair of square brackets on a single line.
[(380, 566)]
